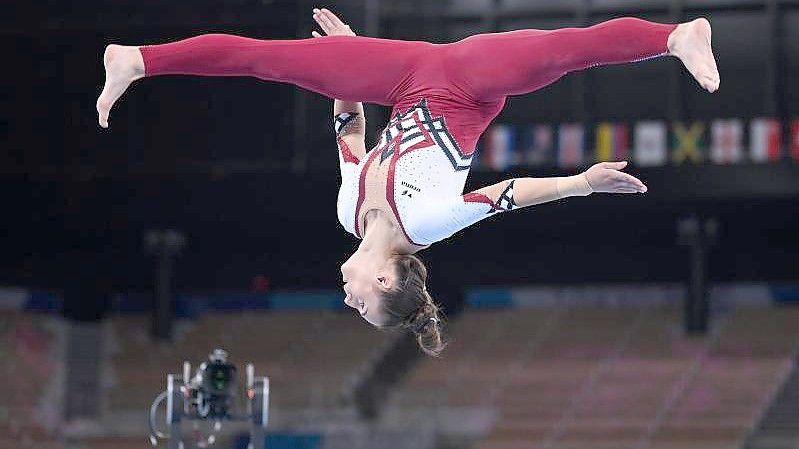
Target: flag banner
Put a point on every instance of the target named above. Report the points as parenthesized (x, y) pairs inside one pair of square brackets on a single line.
[(571, 145), (538, 145), (506, 146), (765, 139), (689, 143), (612, 142), (726, 144), (499, 147), (651, 148)]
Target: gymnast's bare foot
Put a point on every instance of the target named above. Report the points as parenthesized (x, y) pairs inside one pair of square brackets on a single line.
[(690, 42), (123, 65)]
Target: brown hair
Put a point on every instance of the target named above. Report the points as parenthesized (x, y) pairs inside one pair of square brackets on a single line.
[(409, 306)]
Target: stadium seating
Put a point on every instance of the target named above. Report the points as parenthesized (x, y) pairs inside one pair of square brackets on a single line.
[(573, 377), (29, 400), (609, 377)]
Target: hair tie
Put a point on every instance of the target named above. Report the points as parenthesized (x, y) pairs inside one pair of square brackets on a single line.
[(424, 324)]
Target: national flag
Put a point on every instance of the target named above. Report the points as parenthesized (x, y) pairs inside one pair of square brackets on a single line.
[(612, 142), (795, 139), (726, 144), (539, 145), (689, 142), (499, 147), (650, 143), (765, 139), (571, 145)]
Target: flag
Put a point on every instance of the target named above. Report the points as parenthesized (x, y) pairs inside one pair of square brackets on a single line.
[(726, 144), (650, 143), (499, 147), (795, 139), (539, 145), (570, 145), (765, 139), (688, 142), (612, 142)]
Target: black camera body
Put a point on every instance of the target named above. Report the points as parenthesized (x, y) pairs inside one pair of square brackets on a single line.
[(211, 392)]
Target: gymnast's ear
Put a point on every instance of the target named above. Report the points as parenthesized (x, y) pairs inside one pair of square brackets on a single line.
[(385, 280), (386, 275)]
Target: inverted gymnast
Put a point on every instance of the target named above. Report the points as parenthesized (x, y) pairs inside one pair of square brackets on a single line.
[(407, 192)]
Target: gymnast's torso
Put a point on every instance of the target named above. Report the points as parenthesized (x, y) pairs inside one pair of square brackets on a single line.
[(415, 174)]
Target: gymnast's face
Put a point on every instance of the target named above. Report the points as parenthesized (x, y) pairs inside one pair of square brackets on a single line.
[(364, 284)]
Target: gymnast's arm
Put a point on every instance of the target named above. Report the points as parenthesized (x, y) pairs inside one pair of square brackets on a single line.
[(605, 177), (441, 219), (350, 126), (348, 117)]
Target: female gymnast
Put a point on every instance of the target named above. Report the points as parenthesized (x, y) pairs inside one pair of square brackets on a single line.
[(407, 192)]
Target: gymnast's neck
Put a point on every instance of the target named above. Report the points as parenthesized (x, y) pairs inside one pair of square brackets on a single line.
[(382, 238)]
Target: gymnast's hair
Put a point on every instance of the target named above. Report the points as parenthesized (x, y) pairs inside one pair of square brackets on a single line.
[(409, 306)]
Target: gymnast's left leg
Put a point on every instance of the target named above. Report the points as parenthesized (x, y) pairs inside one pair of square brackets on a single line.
[(495, 65)]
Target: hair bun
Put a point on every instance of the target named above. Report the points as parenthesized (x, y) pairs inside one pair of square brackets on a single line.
[(420, 327), (428, 336), (410, 307)]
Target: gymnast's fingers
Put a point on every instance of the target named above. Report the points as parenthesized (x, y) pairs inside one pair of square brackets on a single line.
[(318, 22), (333, 18), (317, 16), (627, 185), (325, 22), (629, 179), (321, 25), (315, 34)]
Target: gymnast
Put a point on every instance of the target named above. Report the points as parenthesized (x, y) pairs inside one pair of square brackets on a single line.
[(406, 193)]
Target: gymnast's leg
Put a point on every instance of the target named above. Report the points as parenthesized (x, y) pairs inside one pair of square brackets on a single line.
[(526, 60), (344, 67)]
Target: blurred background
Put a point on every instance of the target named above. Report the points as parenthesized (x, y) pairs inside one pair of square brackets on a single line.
[(205, 217)]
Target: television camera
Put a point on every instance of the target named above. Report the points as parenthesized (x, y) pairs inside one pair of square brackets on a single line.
[(210, 396)]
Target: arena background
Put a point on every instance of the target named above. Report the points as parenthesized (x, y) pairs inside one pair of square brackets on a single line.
[(663, 320)]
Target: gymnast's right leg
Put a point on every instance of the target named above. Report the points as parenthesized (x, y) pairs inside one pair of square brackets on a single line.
[(344, 67)]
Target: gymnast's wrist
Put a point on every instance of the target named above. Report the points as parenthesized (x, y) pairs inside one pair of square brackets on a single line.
[(576, 185)]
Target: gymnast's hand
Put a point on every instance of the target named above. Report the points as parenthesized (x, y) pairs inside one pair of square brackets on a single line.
[(330, 23), (606, 177)]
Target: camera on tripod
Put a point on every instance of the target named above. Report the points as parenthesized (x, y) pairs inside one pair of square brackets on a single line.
[(211, 391), (210, 396)]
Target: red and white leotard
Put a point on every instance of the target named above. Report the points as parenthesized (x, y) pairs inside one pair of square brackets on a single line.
[(426, 175)]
